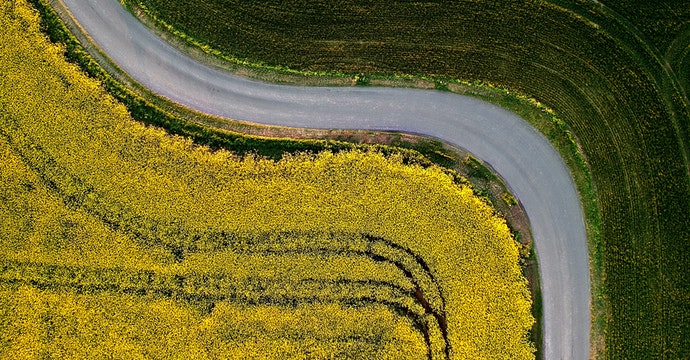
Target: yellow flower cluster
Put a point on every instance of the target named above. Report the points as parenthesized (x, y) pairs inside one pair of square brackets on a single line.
[(124, 231)]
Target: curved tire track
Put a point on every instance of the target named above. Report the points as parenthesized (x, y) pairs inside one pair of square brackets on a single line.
[(79, 280), (418, 293), (522, 156)]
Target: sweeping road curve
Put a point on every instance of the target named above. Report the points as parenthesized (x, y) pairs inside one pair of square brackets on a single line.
[(521, 155)]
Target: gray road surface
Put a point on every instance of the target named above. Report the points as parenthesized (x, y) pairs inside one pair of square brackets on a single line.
[(521, 155)]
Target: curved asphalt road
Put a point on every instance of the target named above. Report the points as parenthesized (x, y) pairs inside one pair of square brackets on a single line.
[(520, 154)]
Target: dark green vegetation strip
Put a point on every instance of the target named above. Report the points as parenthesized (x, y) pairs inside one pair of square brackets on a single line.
[(615, 71)]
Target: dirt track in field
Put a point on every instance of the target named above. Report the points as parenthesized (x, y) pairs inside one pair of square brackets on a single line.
[(523, 157)]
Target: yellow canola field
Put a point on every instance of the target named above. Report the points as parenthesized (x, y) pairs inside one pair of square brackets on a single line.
[(86, 187), (116, 326)]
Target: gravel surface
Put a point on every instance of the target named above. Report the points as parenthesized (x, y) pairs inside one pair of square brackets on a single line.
[(522, 156)]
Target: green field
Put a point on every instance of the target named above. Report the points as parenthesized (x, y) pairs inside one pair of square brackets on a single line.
[(614, 71), (119, 240)]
